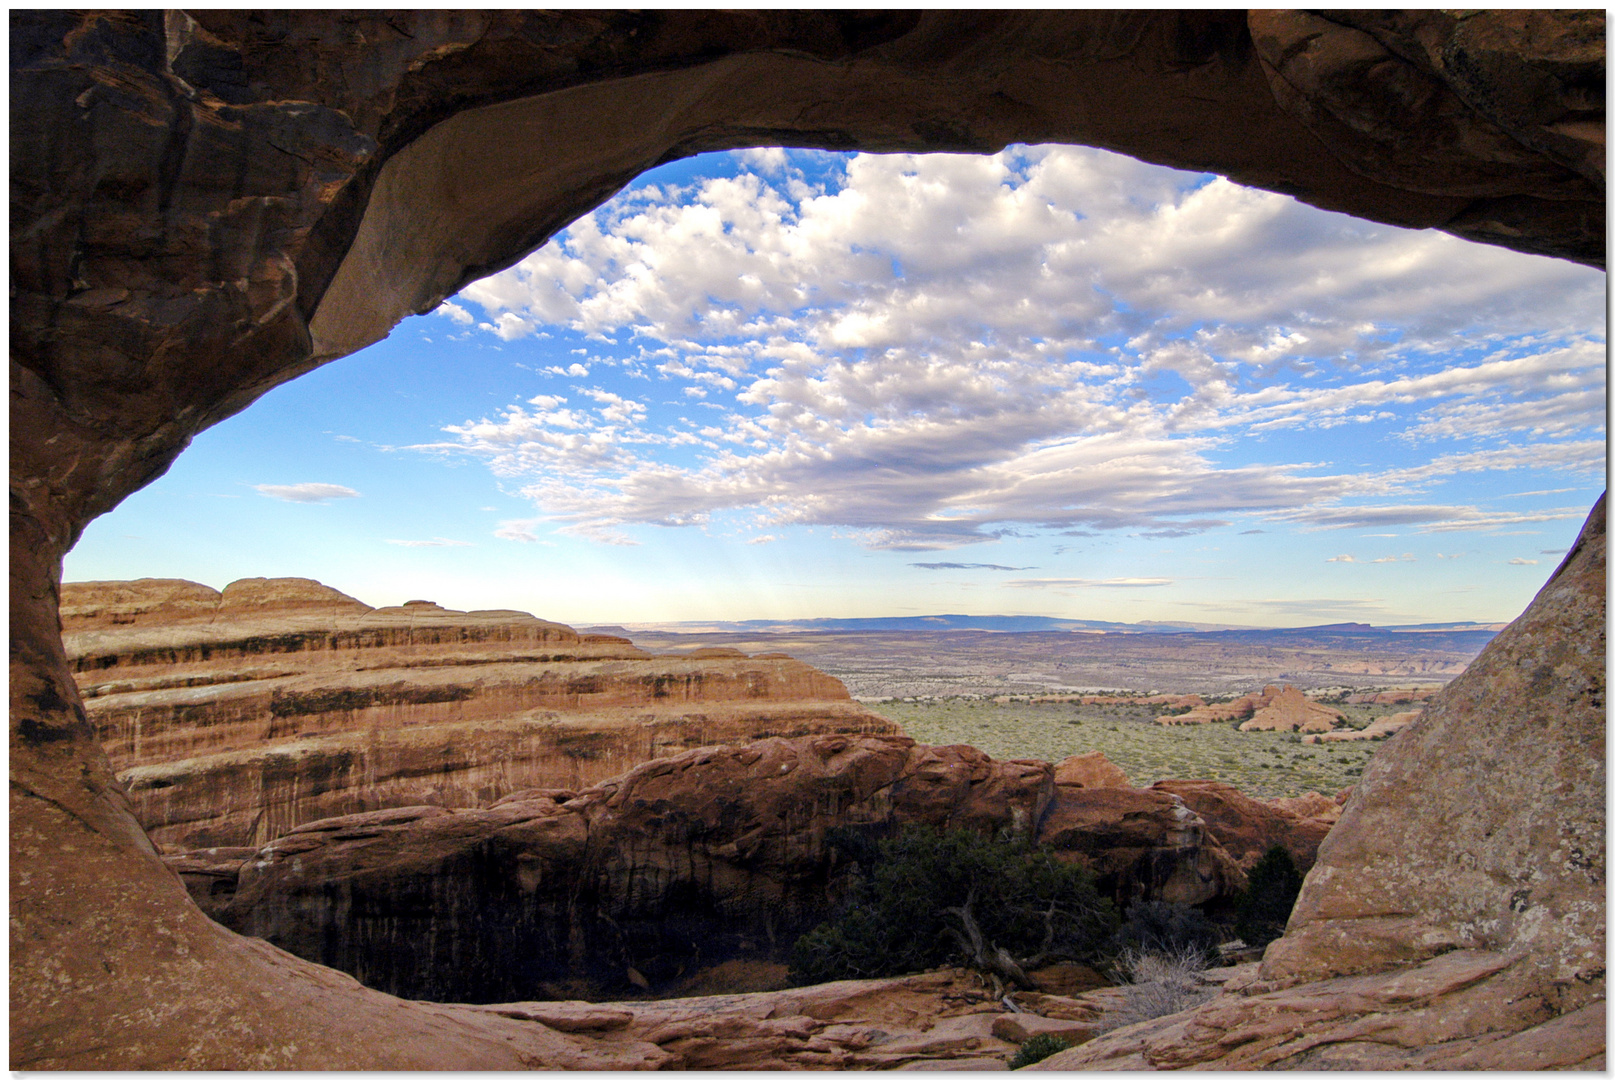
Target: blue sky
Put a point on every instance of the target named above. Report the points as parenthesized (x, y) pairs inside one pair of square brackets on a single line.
[(1053, 381)]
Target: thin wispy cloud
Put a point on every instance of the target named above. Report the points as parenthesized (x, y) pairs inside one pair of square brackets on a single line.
[(306, 493), (1298, 611), (522, 531), (966, 566), (1089, 583)]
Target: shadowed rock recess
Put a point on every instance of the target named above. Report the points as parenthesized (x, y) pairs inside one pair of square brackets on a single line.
[(205, 205)]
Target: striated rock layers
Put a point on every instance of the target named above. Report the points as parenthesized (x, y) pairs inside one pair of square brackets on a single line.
[(1443, 926), (681, 864), (234, 717)]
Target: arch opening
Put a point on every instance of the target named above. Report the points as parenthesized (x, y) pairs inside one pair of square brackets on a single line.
[(1048, 382), (179, 253)]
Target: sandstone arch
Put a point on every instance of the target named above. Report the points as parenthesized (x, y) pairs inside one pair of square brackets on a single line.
[(205, 205)]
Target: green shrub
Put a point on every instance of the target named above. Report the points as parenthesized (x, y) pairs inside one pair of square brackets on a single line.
[(1037, 1048), (1155, 926), (926, 899), (1270, 892)]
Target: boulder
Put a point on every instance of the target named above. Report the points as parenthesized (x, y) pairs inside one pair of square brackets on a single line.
[(1309, 805), (1288, 709), (1142, 845), (1091, 770), (1247, 827)]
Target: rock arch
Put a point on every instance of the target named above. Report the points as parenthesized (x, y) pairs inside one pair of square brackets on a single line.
[(205, 205)]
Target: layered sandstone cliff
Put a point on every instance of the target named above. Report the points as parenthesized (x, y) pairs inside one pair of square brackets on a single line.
[(232, 717)]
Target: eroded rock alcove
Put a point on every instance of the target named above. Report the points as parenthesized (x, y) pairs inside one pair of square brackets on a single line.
[(207, 204)]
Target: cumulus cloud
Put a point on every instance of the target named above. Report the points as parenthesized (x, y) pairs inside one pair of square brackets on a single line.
[(932, 351), (1522, 562), (1340, 558), (306, 493)]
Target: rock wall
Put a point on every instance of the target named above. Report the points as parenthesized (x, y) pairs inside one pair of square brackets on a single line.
[(232, 717), (682, 864), (206, 206)]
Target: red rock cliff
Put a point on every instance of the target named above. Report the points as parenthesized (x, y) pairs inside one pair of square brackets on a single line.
[(233, 717)]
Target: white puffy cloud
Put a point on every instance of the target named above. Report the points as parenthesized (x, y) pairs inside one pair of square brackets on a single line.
[(1340, 558), (1522, 562), (306, 493), (930, 351)]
